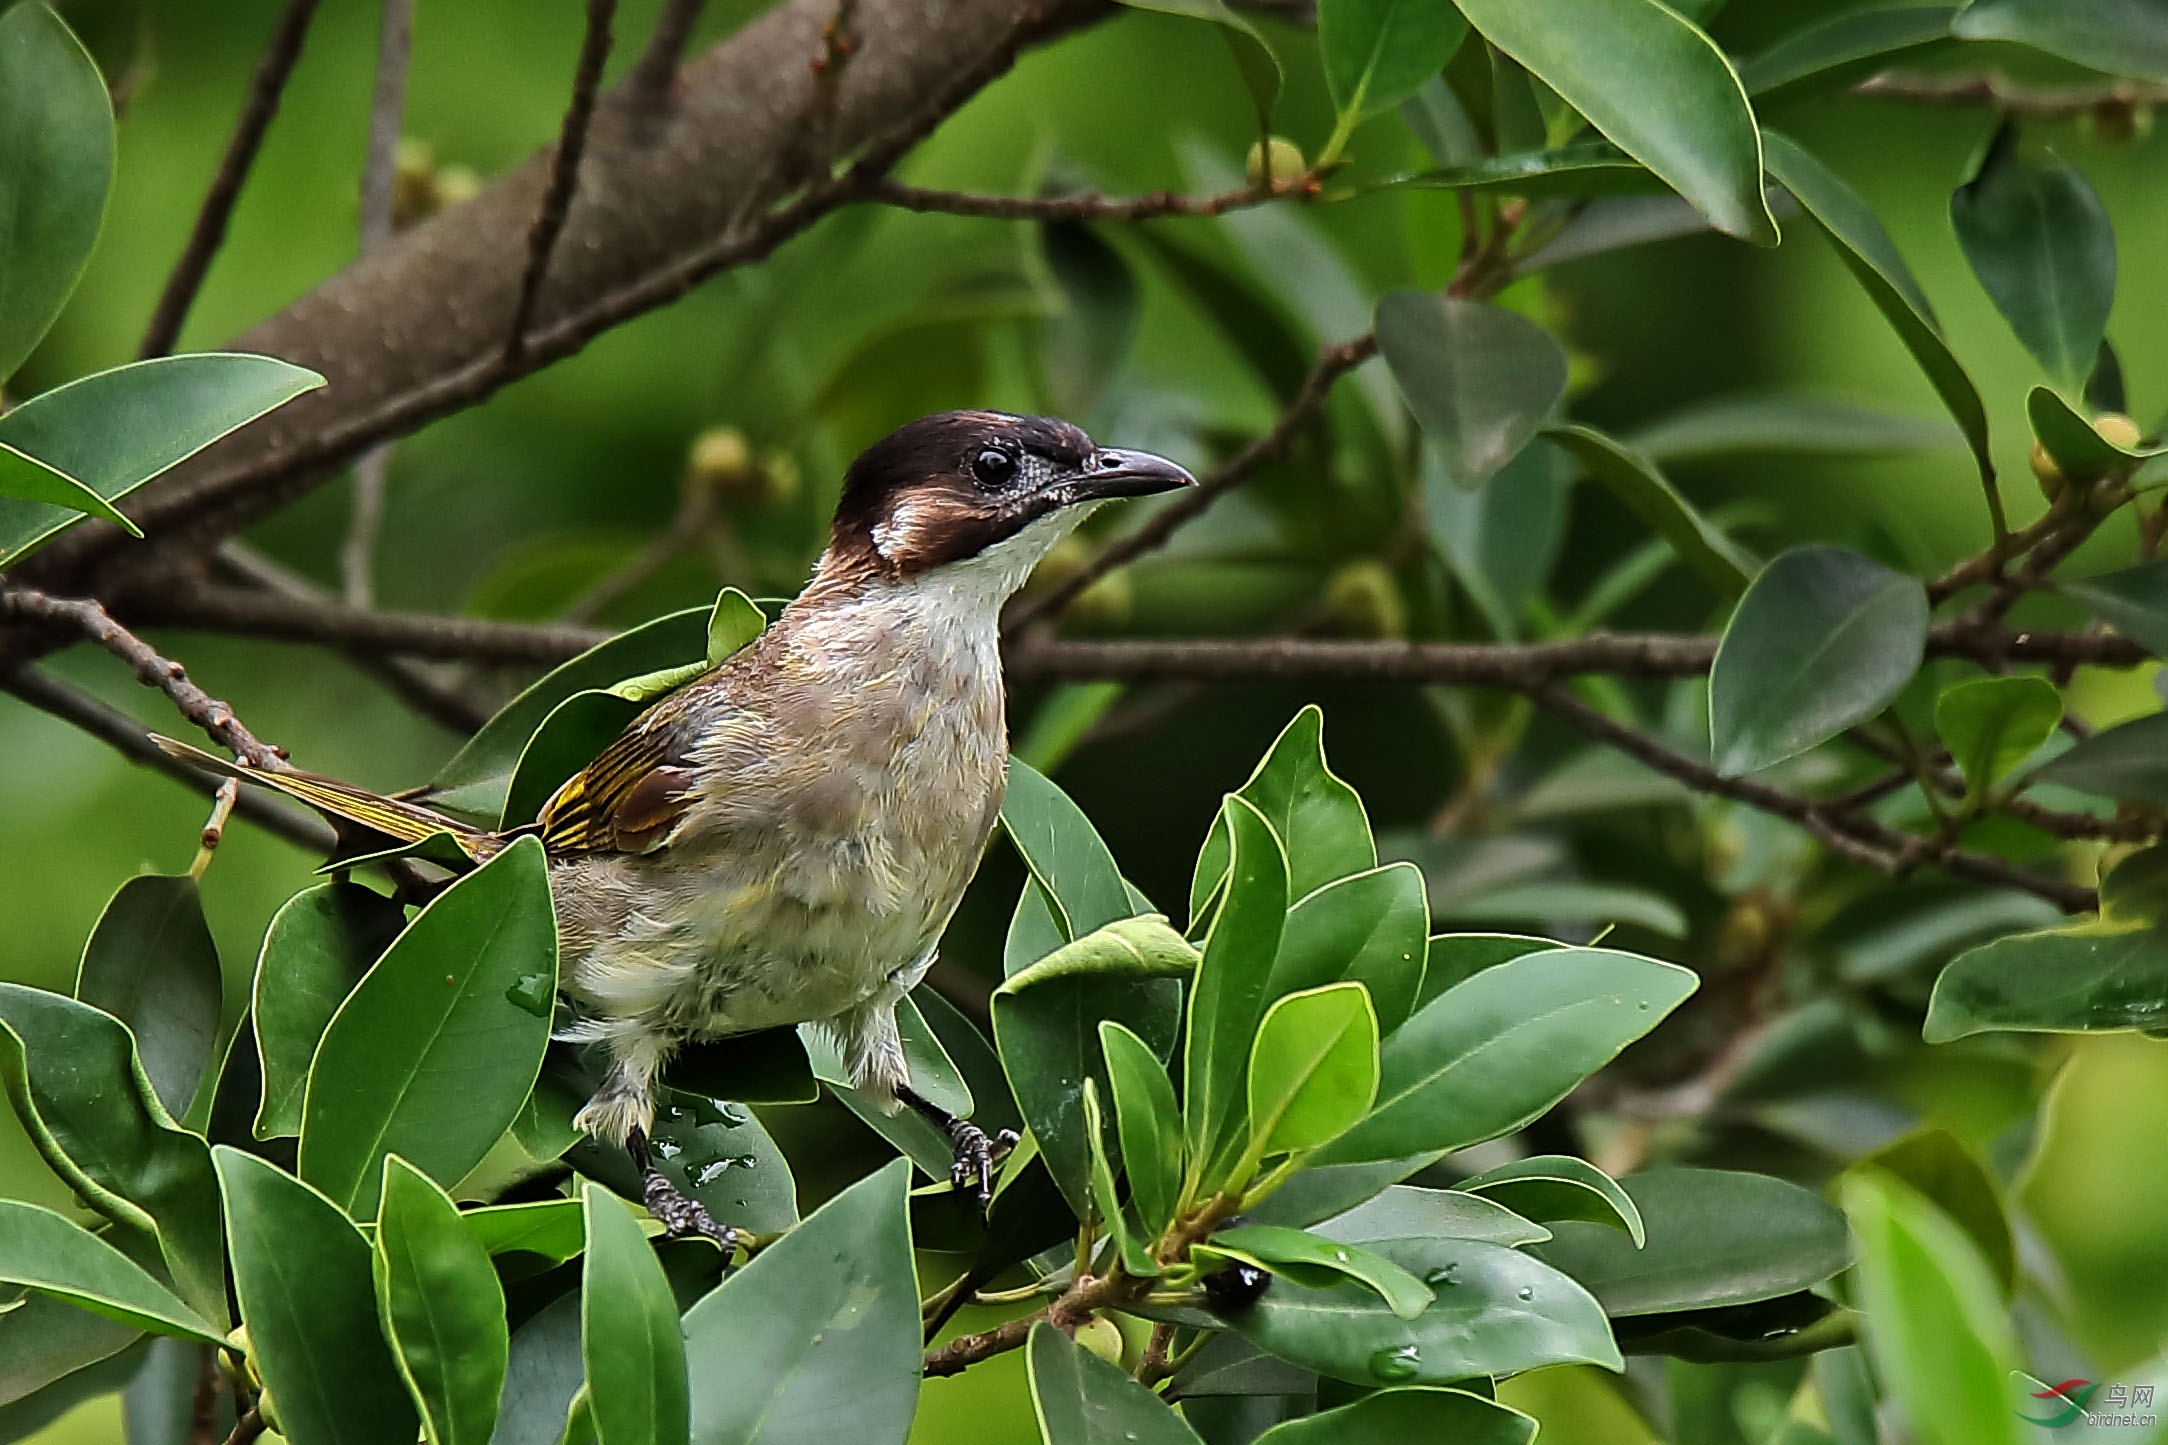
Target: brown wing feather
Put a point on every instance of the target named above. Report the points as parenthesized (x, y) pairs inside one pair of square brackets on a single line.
[(629, 798)]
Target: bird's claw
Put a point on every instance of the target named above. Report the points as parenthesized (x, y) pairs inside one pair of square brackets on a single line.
[(683, 1217), (976, 1156)]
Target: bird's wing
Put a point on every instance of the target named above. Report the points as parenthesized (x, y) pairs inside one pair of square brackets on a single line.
[(629, 799)]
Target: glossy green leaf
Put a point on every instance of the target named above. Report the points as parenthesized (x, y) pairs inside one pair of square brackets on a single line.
[(1635, 481), (1951, 1177), (1397, 1417), (1047, 1026), (2078, 448), (1502, 539), (931, 1072), (1783, 423), (1869, 254), (1497, 1311), (2040, 243), (2128, 762), (1574, 171), (1368, 928), (151, 964), (1498, 1050), (1072, 866), (441, 1307), (2095, 977), (56, 163), (1454, 958), (1941, 1342), (1313, 1068), (1696, 130), (636, 1377), (734, 621), (25, 478), (1377, 53), (555, 1229), (1407, 1211), (53, 1255), (1843, 47), (1318, 819), (1310, 1259), (1480, 379), (47, 1345), (714, 1151), (2121, 37), (302, 1273), (1131, 1244), (1552, 1187), (544, 1374), (1550, 903), (571, 737), (1229, 997), (1148, 1119), (1080, 1399), (1254, 60), (2133, 601), (72, 1075), (818, 1338), (1992, 724), (432, 1055), (769, 1066), (1034, 930), (115, 430), (320, 943), (1715, 1238), (1825, 638)]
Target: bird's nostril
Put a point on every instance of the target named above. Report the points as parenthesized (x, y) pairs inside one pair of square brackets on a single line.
[(1109, 460)]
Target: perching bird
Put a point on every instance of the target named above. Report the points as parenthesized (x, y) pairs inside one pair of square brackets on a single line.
[(783, 840)]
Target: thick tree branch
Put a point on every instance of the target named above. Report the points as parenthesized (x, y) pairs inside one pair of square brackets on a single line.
[(264, 89), (405, 634), (655, 73), (549, 221)]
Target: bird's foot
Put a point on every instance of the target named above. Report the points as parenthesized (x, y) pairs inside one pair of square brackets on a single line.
[(682, 1216), (976, 1155)]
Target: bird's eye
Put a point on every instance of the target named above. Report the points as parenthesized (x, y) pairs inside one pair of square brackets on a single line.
[(993, 467)]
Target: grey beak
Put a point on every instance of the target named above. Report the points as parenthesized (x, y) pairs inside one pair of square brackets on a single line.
[(1111, 474)]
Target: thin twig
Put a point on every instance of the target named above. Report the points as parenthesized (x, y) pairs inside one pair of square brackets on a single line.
[(564, 179), (1082, 205), (264, 89), (247, 1428), (203, 1402), (214, 830), (655, 72), (1994, 89), (364, 524)]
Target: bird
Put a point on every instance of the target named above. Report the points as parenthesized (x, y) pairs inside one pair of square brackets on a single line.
[(783, 840)]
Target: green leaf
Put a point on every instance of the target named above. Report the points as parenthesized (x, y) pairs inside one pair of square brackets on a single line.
[(1843, 47), (2077, 447), (1313, 1068), (931, 1072), (1396, 1417), (478, 774), (1552, 1187), (734, 621), (1573, 171), (1695, 130), (72, 1075), (629, 1335), (441, 1307), (25, 478), (1992, 724), (1716, 1238), (56, 164), (1501, 541), (1935, 1321), (1553, 902), (1824, 639), (1406, 1211), (1047, 1021), (571, 737), (1951, 1177), (1634, 480), (1307, 1259), (55, 1256), (1085, 340), (1318, 1194), (1131, 1246), (1783, 423), (2120, 37), (1497, 1311), (1377, 53), (320, 943), (1034, 930), (1318, 819), (2041, 244), (1229, 997), (1480, 379), (2128, 762), (769, 1066), (1871, 256), (544, 1374), (818, 1337), (46, 1344), (1254, 59), (714, 1151), (124, 1370), (302, 1273), (2093, 978), (1061, 848), (2133, 601), (1498, 1050), (1454, 958), (555, 1229), (151, 964), (432, 1055), (1080, 1399), (1149, 1121)]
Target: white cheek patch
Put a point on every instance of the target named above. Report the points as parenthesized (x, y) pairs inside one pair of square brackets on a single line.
[(893, 533)]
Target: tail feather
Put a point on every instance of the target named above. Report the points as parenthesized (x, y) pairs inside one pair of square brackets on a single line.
[(404, 822)]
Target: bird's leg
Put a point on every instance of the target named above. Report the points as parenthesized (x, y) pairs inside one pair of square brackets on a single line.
[(681, 1215), (976, 1153)]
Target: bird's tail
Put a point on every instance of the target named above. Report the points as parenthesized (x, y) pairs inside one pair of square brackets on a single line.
[(405, 822)]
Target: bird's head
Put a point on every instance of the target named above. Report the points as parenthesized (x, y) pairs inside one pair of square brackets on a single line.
[(979, 493)]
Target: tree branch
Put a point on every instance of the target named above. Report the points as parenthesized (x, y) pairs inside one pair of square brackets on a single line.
[(406, 634), (1996, 90), (549, 222), (204, 238), (653, 75), (1080, 205)]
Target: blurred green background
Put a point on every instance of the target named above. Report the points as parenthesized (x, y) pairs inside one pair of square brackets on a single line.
[(514, 507)]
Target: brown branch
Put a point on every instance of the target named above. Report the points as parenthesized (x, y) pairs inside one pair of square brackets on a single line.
[(248, 1427), (1335, 362), (91, 620), (128, 737), (655, 72), (407, 634), (549, 222), (1081, 205), (1067, 1312), (1996, 90), (264, 89)]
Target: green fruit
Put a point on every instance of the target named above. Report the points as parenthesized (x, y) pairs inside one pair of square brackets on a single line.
[(2117, 430), (1288, 166), (1102, 1338), (1363, 600)]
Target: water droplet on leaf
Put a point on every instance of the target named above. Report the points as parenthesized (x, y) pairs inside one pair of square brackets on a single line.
[(1527, 1292), (1394, 1365), (534, 992)]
